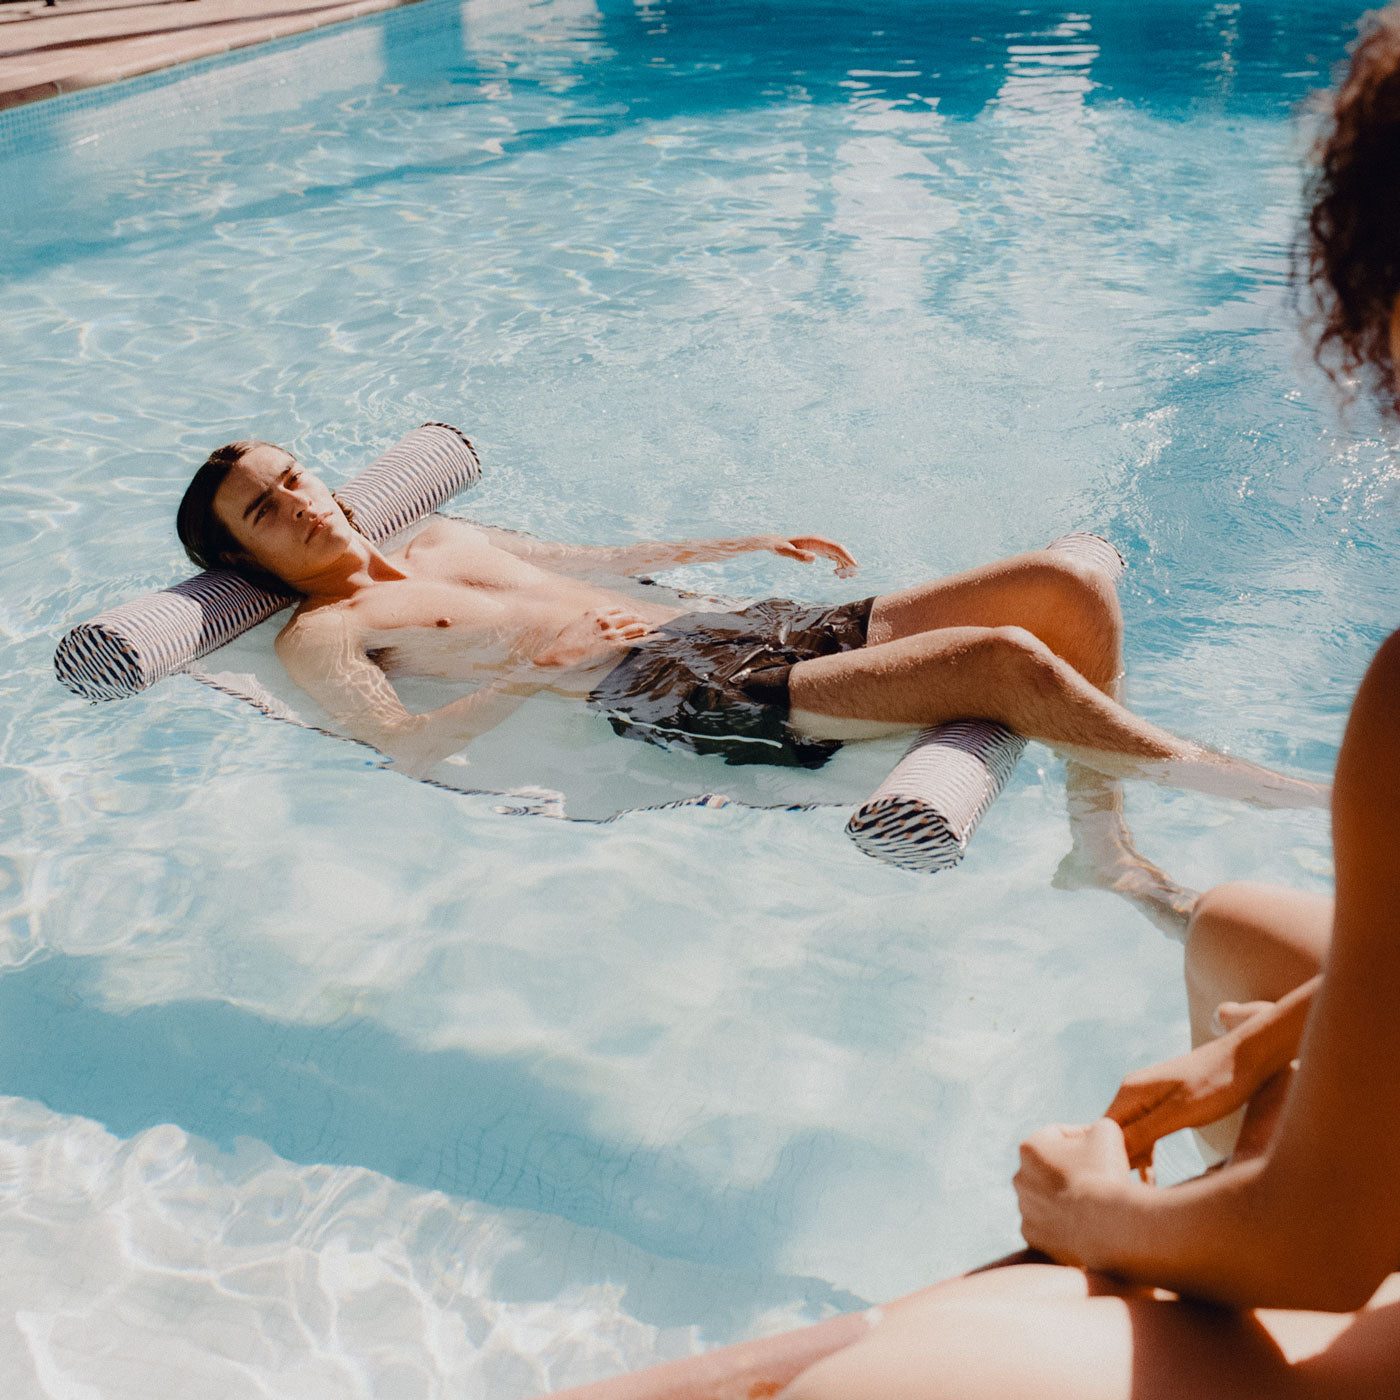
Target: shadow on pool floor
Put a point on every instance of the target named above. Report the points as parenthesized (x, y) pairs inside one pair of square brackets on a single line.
[(353, 1093)]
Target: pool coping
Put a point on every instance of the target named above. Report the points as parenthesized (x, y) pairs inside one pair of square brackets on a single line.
[(105, 42)]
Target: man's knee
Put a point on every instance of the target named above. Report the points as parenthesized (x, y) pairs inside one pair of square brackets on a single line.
[(1076, 579), (1014, 658), (1085, 620)]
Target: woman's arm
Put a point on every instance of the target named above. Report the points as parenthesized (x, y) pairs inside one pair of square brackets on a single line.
[(1313, 1222), (649, 555), (1213, 1080)]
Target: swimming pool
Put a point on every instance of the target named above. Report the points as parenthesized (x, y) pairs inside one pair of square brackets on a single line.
[(326, 1082)]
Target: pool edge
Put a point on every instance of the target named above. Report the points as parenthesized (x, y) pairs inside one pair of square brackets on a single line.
[(181, 50)]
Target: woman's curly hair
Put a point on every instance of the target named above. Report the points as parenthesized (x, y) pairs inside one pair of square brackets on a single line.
[(1348, 260)]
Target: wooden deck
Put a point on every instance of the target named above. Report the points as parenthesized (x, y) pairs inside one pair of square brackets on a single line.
[(49, 48)]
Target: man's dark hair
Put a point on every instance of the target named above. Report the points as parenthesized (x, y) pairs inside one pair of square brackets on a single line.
[(1348, 260), (207, 540)]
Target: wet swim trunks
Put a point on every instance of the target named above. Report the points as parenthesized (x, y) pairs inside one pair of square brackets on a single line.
[(716, 682)]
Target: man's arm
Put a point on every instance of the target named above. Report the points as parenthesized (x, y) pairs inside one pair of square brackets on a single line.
[(323, 657), (647, 556), (1312, 1222)]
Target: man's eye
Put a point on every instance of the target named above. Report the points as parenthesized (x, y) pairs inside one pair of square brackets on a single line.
[(262, 511)]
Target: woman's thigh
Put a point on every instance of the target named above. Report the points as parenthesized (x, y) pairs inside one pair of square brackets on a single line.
[(1054, 1345), (1103, 1348)]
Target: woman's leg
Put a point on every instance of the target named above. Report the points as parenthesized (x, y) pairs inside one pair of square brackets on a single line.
[(1247, 942), (1053, 1334)]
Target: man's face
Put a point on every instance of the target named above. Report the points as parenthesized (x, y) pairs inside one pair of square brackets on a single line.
[(281, 515)]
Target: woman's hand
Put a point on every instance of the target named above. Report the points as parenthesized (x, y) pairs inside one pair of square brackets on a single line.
[(1191, 1090), (807, 548), (1200, 1087), (1067, 1174)]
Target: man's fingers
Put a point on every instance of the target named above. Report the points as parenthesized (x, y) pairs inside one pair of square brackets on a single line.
[(807, 548)]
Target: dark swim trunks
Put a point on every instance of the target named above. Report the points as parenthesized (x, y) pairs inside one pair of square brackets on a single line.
[(716, 682)]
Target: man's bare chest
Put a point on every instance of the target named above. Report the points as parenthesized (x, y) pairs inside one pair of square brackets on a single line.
[(432, 602)]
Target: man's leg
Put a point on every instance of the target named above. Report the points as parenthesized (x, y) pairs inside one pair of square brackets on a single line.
[(1007, 674), (1069, 605), (1072, 608), (1104, 854)]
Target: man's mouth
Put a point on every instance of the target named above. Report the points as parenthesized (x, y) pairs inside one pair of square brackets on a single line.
[(316, 525)]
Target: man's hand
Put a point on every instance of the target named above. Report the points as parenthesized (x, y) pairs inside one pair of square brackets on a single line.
[(1188, 1091), (591, 635), (807, 548), (1067, 1173)]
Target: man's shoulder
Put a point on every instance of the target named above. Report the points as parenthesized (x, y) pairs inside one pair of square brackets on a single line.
[(313, 628), (441, 529)]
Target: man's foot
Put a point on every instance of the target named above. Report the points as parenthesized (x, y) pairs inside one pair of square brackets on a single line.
[(1104, 856), (1126, 871)]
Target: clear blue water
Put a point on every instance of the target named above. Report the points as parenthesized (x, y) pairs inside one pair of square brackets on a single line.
[(326, 1082)]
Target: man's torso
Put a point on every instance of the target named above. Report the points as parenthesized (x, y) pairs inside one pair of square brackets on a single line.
[(471, 611)]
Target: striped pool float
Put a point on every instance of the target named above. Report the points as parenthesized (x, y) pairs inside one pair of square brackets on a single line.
[(127, 648)]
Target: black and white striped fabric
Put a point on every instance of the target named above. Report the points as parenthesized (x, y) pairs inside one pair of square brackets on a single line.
[(127, 648), (415, 476), (923, 815)]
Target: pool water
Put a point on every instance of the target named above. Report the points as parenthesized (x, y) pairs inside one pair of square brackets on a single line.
[(325, 1082)]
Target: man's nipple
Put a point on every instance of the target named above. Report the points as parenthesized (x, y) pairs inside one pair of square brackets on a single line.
[(444, 622)]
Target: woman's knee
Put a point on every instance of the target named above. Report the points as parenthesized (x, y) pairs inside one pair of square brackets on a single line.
[(1221, 910), (1246, 941)]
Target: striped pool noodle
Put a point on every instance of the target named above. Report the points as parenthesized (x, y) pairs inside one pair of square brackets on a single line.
[(127, 648), (923, 815)]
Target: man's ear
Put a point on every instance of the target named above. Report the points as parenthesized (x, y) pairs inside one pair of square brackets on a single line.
[(237, 559), (243, 563)]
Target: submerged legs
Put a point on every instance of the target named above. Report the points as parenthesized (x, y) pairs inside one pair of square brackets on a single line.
[(1104, 854)]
